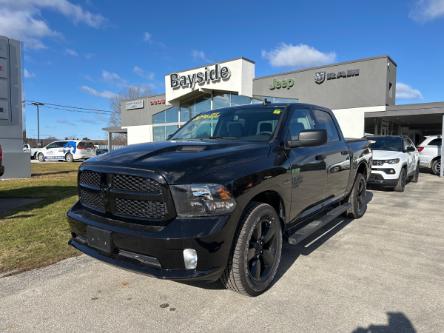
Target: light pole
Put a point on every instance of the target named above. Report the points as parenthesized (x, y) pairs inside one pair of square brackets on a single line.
[(38, 104)]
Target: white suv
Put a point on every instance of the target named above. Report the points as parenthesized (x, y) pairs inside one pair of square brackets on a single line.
[(69, 150), (430, 153), (395, 161)]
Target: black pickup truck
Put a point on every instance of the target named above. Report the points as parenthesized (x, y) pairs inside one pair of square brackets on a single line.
[(217, 200)]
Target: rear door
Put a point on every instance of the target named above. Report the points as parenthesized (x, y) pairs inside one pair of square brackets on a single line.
[(308, 170), (336, 155)]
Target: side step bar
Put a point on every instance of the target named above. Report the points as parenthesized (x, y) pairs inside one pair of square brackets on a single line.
[(303, 233)]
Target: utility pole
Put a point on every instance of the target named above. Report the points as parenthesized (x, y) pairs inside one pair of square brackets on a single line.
[(38, 104)]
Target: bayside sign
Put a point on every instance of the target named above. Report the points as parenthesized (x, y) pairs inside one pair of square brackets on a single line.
[(214, 74)]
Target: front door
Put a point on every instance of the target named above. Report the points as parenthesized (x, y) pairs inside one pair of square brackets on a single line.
[(337, 155), (308, 169)]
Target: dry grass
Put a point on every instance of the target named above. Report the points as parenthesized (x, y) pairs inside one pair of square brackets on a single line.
[(36, 235)]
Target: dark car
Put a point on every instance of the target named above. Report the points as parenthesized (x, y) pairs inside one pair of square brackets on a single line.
[(217, 200)]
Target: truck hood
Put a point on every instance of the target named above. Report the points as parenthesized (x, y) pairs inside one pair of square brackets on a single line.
[(187, 161), (387, 154)]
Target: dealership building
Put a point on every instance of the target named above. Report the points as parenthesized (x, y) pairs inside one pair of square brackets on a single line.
[(361, 93)]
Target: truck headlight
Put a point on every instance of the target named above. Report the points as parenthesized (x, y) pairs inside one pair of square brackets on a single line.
[(202, 200), (392, 161)]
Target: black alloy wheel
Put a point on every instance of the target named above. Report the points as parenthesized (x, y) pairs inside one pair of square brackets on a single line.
[(358, 197), (254, 263), (402, 181), (262, 248)]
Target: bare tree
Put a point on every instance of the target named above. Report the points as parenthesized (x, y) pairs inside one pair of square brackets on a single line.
[(133, 92)]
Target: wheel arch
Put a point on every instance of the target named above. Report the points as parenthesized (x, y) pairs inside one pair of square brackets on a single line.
[(275, 200)]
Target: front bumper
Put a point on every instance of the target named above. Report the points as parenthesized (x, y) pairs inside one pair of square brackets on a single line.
[(158, 250), (378, 179)]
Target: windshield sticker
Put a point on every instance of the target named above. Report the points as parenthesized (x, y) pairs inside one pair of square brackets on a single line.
[(213, 115), (277, 111)]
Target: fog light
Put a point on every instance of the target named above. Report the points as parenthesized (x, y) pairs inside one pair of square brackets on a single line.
[(190, 258)]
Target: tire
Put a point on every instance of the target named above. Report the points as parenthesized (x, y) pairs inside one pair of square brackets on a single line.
[(255, 260), (402, 180), (415, 177), (357, 198), (69, 158), (41, 157), (436, 166)]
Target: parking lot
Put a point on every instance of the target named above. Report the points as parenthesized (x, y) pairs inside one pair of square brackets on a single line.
[(381, 273)]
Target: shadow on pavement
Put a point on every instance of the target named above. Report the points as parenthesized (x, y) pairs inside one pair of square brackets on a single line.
[(290, 253), (397, 322)]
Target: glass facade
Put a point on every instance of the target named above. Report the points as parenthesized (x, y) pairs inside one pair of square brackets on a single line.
[(168, 121)]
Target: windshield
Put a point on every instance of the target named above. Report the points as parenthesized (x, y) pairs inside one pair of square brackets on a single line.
[(387, 143), (251, 124)]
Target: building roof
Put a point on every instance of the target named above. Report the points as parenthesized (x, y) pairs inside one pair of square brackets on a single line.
[(330, 65)]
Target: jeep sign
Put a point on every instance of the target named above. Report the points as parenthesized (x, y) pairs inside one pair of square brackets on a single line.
[(284, 84), (208, 75)]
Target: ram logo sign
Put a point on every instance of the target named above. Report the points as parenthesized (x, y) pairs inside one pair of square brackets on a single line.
[(320, 77)]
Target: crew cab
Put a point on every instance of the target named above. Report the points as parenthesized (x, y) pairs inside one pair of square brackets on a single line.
[(2, 168), (395, 161), (430, 153), (66, 150), (219, 198)]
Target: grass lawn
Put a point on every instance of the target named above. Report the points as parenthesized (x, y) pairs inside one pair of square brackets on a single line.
[(36, 235)]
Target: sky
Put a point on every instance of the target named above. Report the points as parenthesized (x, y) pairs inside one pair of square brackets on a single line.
[(83, 53)]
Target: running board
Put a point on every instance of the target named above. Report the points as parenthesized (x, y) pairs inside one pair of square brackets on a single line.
[(315, 225)]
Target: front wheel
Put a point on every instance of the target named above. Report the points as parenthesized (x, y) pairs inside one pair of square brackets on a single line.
[(415, 177), (357, 198), (257, 252), (41, 157), (402, 180)]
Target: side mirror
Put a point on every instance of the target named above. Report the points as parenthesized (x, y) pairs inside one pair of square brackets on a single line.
[(410, 149), (309, 138)]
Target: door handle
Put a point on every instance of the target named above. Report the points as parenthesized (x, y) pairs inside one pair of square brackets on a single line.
[(320, 157)]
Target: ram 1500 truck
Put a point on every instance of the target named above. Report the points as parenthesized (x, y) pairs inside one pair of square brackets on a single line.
[(219, 198)]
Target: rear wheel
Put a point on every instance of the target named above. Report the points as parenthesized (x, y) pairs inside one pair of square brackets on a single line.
[(41, 157), (402, 180), (436, 166), (69, 157), (357, 198), (257, 253)]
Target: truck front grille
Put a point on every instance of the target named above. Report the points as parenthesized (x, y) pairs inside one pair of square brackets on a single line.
[(129, 197)]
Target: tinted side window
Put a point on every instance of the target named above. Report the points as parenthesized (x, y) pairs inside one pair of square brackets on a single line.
[(51, 145), (300, 120), (435, 142), (61, 144), (325, 121)]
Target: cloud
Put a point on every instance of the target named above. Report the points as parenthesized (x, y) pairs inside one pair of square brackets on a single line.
[(71, 52), (141, 72), (427, 10), (23, 19), (27, 74), (302, 55), (199, 55), (103, 94), (404, 91), (147, 37), (113, 78)]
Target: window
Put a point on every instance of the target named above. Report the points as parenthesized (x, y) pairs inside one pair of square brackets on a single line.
[(171, 115), (159, 133), (85, 145), (240, 100), (222, 101), (170, 130), (159, 118), (184, 114), (300, 120), (325, 121), (52, 145), (435, 142)]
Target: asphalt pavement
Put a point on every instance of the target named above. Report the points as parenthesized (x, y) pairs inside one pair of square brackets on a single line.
[(381, 273)]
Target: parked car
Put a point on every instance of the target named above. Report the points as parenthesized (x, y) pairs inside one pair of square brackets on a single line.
[(430, 153), (2, 168), (395, 161), (217, 200), (66, 150)]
